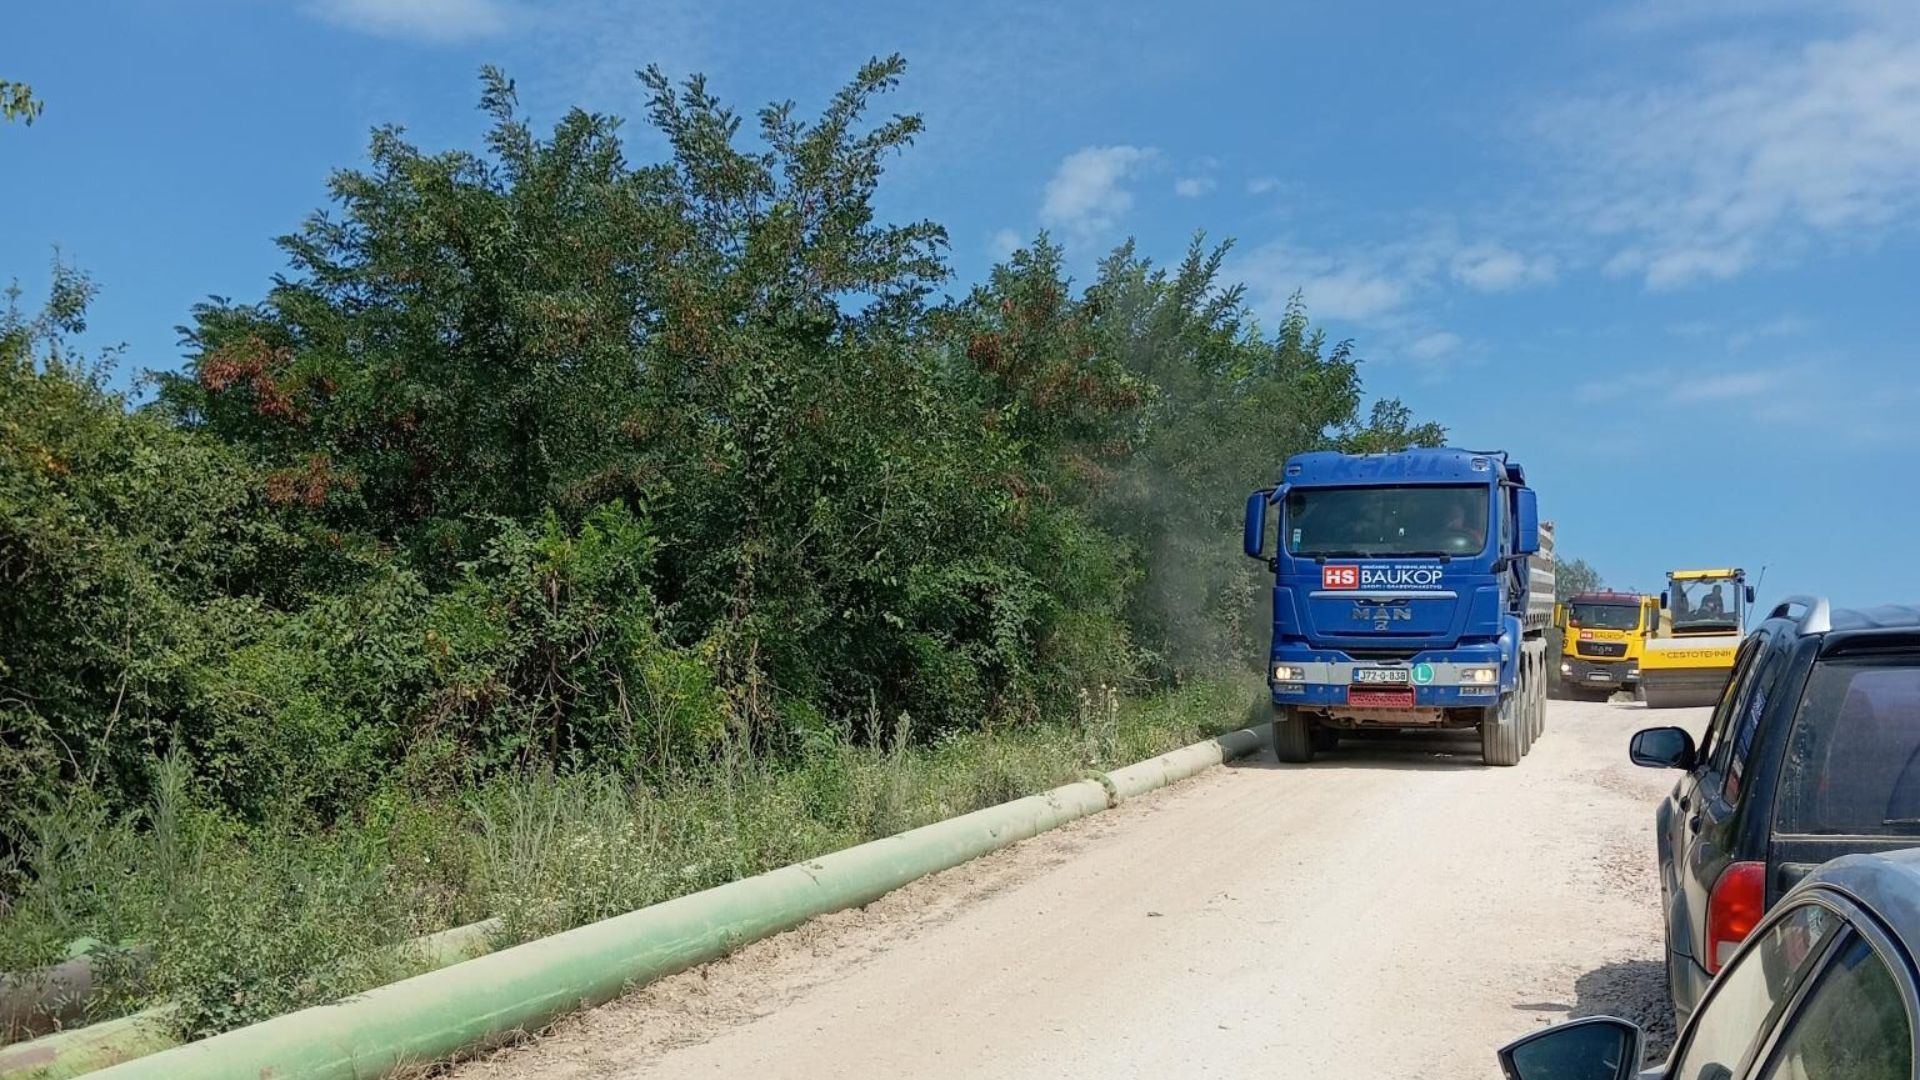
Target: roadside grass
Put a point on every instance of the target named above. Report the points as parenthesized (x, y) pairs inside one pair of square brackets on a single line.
[(248, 922)]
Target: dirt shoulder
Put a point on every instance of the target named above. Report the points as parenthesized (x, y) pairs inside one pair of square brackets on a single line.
[(1393, 910)]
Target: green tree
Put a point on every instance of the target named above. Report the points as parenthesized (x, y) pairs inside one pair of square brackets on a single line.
[(1571, 578), (18, 103), (1160, 404), (123, 542), (539, 456)]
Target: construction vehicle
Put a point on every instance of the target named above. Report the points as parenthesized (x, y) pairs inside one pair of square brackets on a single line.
[(1603, 635), (1412, 591), (1705, 614)]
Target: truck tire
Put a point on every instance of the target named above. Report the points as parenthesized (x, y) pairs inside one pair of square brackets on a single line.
[(1539, 703), (1499, 733), (1523, 712), (1292, 736), (1536, 705)]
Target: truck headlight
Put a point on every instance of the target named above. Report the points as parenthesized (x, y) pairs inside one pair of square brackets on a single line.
[(1481, 675), (1566, 668), (1289, 673)]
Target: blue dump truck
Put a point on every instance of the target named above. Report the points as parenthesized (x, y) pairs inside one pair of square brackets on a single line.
[(1412, 592)]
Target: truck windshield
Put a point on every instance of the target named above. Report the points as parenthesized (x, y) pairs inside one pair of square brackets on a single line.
[(1604, 616), (1404, 521), (1706, 605)]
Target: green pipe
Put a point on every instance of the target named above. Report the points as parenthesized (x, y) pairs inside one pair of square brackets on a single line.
[(36, 1002), (497, 997), (81, 1050), (1177, 765)]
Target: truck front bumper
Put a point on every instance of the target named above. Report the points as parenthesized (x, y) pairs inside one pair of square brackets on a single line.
[(1609, 675), (1436, 681)]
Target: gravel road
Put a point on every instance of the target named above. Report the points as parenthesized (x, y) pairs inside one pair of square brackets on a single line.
[(1394, 910)]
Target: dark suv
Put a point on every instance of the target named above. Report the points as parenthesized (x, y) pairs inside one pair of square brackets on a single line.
[(1812, 753)]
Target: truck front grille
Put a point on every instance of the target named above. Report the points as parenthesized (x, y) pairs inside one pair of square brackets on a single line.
[(1383, 654), (1603, 648)]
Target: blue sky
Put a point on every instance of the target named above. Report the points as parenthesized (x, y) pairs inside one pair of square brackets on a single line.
[(1665, 253)]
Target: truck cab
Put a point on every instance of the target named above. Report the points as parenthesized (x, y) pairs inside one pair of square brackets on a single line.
[(1603, 637), (1410, 593)]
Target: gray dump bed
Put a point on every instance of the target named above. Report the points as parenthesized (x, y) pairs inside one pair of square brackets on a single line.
[(1540, 581)]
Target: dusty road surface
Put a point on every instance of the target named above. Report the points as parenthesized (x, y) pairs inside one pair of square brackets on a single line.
[(1392, 911)]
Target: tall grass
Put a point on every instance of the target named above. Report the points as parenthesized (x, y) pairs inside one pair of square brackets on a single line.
[(250, 922)]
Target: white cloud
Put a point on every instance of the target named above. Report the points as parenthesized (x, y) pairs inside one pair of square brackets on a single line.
[(1757, 153), (1435, 346), (1672, 387), (1357, 289), (1004, 243), (1784, 326), (1087, 194), (1620, 386), (1729, 386), (428, 20), (1263, 185), (1192, 187), (1492, 268), (1655, 16)]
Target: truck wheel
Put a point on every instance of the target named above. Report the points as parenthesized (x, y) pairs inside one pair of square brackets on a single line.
[(1523, 713), (1500, 733), (1536, 706), (1292, 736), (1540, 706)]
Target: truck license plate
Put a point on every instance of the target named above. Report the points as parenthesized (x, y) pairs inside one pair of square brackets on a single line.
[(1364, 698), (1393, 676), (1599, 676)]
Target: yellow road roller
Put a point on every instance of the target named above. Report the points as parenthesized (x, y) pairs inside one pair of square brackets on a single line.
[(1704, 615)]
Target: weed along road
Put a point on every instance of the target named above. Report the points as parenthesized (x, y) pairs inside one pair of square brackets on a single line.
[(1393, 910)]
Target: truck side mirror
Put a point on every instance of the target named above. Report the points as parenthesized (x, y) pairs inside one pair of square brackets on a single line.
[(1559, 614), (1750, 594), (1527, 509), (1254, 539), (1664, 601)]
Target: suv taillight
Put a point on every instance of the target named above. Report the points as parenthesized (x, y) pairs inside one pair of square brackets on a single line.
[(1738, 900)]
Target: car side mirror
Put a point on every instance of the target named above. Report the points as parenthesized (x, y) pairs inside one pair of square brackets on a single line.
[(1662, 748), (1593, 1048)]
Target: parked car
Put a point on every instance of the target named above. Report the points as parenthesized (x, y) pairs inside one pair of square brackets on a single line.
[(1812, 753), (1824, 990)]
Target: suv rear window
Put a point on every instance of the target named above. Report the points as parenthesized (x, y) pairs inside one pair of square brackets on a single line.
[(1853, 761)]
